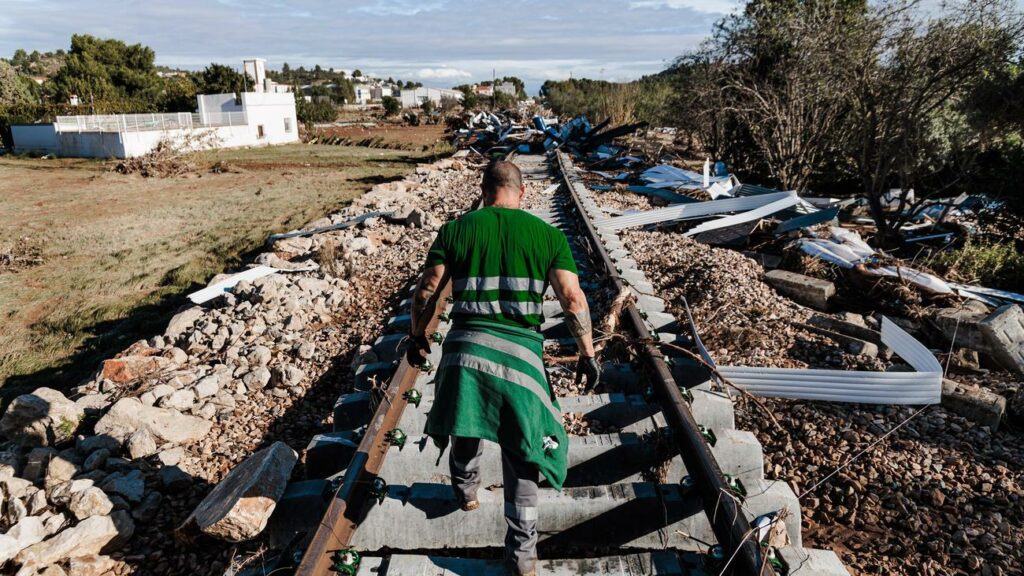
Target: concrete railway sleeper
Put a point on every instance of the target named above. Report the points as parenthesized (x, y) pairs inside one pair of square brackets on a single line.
[(666, 486)]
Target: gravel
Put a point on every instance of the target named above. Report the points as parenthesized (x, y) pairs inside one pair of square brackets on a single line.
[(939, 496)]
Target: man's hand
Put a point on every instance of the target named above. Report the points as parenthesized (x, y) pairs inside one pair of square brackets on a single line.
[(416, 353), (587, 367)]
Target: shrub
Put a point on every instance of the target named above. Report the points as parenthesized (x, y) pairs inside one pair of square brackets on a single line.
[(990, 264)]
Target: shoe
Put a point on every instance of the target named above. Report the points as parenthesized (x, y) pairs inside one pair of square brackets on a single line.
[(470, 505)]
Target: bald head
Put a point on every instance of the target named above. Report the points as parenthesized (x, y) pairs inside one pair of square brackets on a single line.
[(502, 184)]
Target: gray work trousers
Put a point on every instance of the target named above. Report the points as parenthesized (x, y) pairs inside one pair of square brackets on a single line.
[(520, 481)]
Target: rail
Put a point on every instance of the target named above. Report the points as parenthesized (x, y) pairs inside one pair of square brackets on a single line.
[(731, 527)]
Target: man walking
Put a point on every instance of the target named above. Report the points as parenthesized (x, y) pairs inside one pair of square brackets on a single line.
[(491, 383)]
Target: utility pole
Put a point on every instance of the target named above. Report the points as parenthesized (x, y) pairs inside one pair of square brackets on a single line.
[(494, 91)]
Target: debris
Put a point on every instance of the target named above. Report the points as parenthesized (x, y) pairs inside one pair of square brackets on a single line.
[(974, 403), (813, 292), (921, 387), (219, 288), (696, 210)]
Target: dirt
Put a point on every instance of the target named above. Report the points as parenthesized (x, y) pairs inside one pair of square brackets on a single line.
[(111, 254)]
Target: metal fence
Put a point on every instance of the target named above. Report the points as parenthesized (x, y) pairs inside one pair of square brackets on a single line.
[(145, 122)]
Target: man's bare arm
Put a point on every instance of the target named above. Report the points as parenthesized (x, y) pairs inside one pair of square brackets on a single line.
[(424, 299), (574, 303)]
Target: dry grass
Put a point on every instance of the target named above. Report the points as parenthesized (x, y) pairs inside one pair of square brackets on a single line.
[(120, 252)]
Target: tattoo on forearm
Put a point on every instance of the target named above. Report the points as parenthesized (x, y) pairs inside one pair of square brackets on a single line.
[(419, 300), (579, 323)]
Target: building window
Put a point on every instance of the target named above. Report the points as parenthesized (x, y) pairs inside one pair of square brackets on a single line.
[(259, 131), (287, 125)]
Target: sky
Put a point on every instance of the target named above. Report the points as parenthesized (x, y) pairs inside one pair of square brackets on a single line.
[(437, 42)]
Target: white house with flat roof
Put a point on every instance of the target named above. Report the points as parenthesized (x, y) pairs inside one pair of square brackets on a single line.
[(255, 118)]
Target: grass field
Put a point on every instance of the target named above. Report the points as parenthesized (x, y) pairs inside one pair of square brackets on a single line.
[(119, 253)]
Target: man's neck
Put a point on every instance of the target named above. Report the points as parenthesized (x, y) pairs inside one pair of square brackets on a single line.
[(502, 201)]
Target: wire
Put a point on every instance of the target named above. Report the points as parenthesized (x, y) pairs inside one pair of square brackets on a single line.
[(864, 451)]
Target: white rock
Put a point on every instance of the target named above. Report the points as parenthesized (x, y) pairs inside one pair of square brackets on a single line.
[(129, 415), (42, 417), (182, 321), (26, 532), (260, 356), (87, 537), (208, 386), (179, 400), (141, 444), (90, 502)]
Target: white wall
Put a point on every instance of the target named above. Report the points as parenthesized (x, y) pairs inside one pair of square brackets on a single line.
[(217, 103), (34, 138), (275, 112)]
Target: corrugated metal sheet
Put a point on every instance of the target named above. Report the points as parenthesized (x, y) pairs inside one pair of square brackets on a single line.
[(924, 386), (695, 210), (755, 214)]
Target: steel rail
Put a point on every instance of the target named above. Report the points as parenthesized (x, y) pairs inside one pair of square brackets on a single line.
[(730, 525), (350, 502)]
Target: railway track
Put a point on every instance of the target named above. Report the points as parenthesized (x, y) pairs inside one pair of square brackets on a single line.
[(673, 489)]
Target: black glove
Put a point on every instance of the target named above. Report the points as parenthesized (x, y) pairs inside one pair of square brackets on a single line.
[(416, 353), (588, 367)]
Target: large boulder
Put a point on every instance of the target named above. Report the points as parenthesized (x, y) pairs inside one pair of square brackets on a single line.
[(238, 508), (90, 536), (130, 414), (41, 418)]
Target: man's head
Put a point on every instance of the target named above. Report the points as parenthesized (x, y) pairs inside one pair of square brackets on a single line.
[(502, 184)]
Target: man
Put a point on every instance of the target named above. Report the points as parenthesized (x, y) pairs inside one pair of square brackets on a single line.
[(491, 383)]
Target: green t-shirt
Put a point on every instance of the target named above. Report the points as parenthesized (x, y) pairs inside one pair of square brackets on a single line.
[(499, 259)]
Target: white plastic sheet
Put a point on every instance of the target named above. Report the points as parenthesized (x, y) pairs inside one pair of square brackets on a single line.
[(220, 288)]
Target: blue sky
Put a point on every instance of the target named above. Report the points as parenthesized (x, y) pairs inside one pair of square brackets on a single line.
[(438, 42)]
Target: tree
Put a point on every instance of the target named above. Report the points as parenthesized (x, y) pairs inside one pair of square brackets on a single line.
[(927, 65), (179, 94), (13, 88), (219, 79), (392, 106), (780, 72), (427, 106), (357, 73), (801, 91), (313, 112), (107, 69)]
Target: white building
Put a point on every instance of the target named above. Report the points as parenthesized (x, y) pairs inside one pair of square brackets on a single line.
[(415, 97), (258, 118)]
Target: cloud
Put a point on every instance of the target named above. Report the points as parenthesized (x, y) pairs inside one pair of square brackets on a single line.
[(400, 7), (712, 6), (442, 73)]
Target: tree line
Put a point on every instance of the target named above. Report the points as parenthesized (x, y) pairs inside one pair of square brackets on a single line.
[(847, 97)]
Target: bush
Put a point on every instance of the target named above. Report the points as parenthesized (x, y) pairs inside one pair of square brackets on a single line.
[(313, 112), (990, 264), (392, 106)]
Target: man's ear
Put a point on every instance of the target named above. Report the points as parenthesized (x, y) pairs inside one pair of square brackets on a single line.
[(522, 191)]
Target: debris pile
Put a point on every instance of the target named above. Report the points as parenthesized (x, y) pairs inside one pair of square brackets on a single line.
[(947, 477), (195, 431)]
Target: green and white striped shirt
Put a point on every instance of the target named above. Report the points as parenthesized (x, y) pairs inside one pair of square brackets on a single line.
[(499, 260)]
